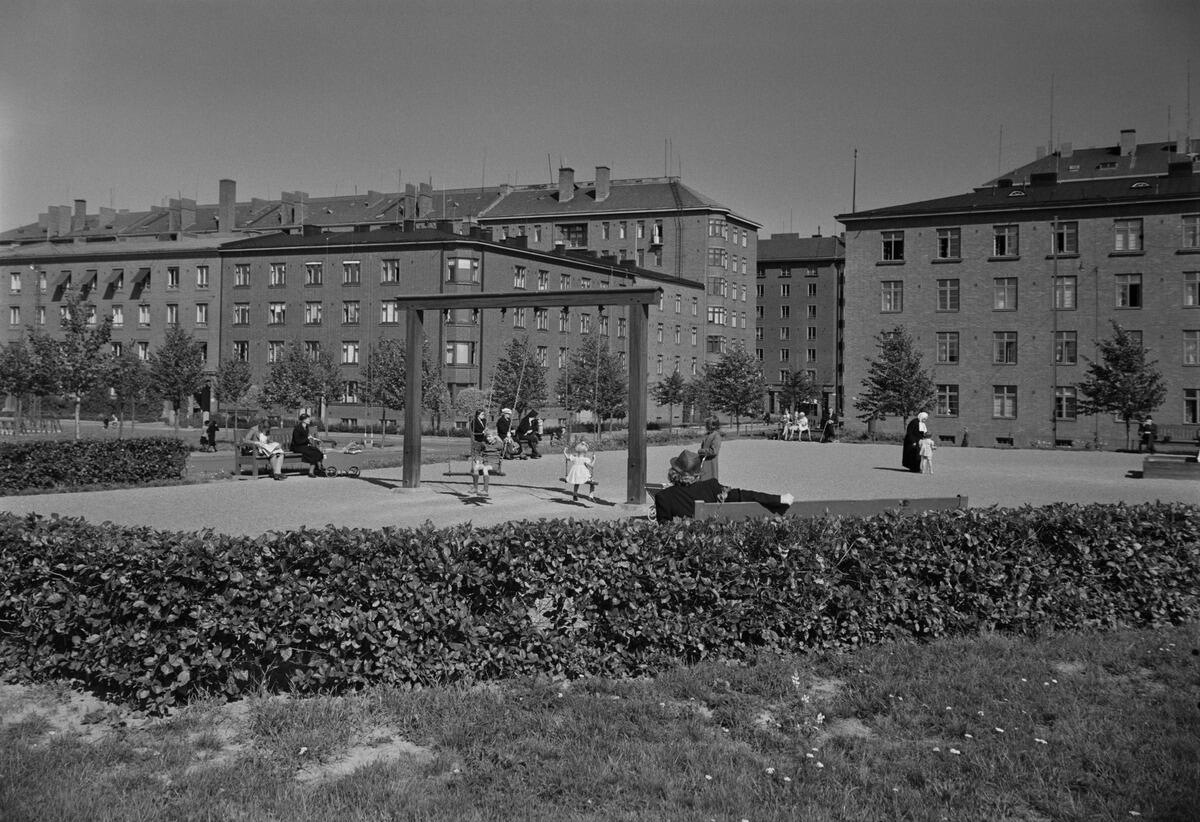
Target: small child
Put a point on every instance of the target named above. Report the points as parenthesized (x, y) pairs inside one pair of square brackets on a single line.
[(927, 447), (579, 470), (480, 468)]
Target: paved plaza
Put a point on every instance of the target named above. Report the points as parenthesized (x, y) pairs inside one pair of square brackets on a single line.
[(531, 489)]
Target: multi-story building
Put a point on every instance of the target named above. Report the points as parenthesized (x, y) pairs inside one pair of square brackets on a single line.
[(797, 325), (1007, 289)]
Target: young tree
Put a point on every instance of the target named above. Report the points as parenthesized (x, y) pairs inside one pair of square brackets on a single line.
[(896, 384), (519, 381), (177, 370), (669, 391), (1124, 383), (736, 385), (469, 400), (696, 394), (83, 350), (288, 385), (129, 379), (798, 389), (325, 382), (17, 375), (594, 380), (435, 395), (233, 385), (384, 378), (46, 364)]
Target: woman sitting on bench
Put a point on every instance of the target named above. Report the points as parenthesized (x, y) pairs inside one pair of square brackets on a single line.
[(258, 438), (679, 499)]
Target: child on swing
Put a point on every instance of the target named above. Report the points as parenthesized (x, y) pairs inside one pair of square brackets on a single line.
[(579, 470)]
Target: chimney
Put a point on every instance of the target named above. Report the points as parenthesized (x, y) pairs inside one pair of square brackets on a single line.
[(226, 221), (566, 184), (603, 174), (1066, 150), (79, 221), (1181, 143), (1128, 141), (1040, 152), (61, 224), (424, 201), (108, 217)]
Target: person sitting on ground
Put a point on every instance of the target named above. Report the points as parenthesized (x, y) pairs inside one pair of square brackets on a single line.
[(529, 431), (308, 447), (678, 500), (258, 439)]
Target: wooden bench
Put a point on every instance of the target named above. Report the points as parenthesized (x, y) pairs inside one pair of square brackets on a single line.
[(1170, 466), (827, 508), (244, 458)]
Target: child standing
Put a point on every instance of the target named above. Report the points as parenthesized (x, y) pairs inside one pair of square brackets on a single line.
[(579, 470), (926, 446), (480, 468)]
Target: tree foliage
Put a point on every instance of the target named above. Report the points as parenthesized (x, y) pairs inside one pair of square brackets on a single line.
[(17, 373), (669, 391), (291, 382), (798, 389), (234, 381), (1124, 383), (384, 375), (83, 351), (736, 385), (177, 370), (519, 380), (594, 380), (896, 383), (129, 378), (469, 400)]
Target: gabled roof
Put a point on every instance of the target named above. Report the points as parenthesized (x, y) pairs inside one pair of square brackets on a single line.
[(794, 247), (1099, 163), (120, 249), (625, 196)]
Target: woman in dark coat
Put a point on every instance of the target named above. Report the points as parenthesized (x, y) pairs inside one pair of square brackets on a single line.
[(912, 443), (678, 500)]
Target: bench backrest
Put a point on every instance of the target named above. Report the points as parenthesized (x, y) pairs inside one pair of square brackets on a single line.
[(820, 508)]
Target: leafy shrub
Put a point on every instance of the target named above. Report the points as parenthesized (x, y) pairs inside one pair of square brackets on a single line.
[(66, 464), (149, 617)]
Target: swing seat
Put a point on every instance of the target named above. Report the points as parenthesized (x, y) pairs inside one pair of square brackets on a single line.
[(592, 482)]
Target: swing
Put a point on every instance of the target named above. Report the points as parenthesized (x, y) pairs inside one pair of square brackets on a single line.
[(592, 483)]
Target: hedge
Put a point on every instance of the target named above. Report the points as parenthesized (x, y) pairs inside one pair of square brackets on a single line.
[(151, 618), (46, 465)]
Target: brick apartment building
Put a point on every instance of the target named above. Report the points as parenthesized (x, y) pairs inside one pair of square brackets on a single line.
[(1007, 288), (797, 324)]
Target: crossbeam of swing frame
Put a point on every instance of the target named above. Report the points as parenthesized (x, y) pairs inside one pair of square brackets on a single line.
[(639, 300)]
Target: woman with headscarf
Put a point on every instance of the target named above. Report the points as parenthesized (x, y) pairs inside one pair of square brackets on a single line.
[(678, 500), (916, 431)]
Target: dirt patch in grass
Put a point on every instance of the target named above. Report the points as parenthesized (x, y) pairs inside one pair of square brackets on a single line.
[(379, 746)]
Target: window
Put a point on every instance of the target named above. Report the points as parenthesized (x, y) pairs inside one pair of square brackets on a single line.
[(716, 345), (695, 306), (947, 400), (678, 302), (1004, 241), (389, 271), (947, 295), (785, 289), (518, 276), (893, 246), (562, 357), (574, 235), (717, 227), (314, 273), (1004, 294), (241, 275), (350, 310), (118, 279), (947, 347), (1004, 347), (312, 350), (891, 296), (202, 314), (118, 316), (1191, 347), (312, 313), (143, 351), (1065, 239), (1065, 293), (811, 332), (274, 351), (14, 315), (350, 352), (785, 272), (543, 280), (1191, 289), (785, 311), (810, 312), (1127, 235), (1129, 291), (540, 356), (172, 314), (1065, 397), (656, 233), (717, 316), (658, 364), (14, 282), (389, 311), (144, 316), (1004, 402), (241, 350), (785, 333), (118, 348), (460, 353), (659, 333), (812, 289), (462, 270), (276, 313), (1191, 231), (621, 229), (678, 334), (541, 319), (350, 395), (519, 315), (201, 276), (785, 354), (585, 323), (949, 243), (641, 229), (622, 328), (41, 315), (1191, 405), (694, 369), (1066, 347), (172, 276), (564, 320), (605, 231), (277, 276), (586, 282), (695, 335), (718, 257), (241, 313), (810, 355), (537, 233)]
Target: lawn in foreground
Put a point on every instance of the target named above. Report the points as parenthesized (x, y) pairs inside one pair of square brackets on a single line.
[(1074, 726)]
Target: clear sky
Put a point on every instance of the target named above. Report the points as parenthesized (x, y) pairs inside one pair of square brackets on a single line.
[(760, 103)]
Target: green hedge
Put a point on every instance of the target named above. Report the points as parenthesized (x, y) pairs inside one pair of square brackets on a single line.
[(44, 465), (149, 617)]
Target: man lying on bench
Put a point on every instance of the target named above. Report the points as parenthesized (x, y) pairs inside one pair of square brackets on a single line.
[(678, 500)]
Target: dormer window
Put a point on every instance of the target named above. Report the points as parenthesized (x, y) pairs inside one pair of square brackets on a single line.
[(1016, 193), (1140, 184)]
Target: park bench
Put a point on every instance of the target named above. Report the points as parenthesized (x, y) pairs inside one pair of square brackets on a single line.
[(826, 508), (245, 458), (1170, 466)]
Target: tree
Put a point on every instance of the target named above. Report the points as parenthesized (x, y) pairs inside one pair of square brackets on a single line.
[(325, 381), (177, 370), (288, 385), (1124, 383), (519, 380), (17, 375), (435, 395), (798, 389), (696, 394), (233, 385), (129, 378), (84, 357), (594, 380), (669, 392), (384, 378), (469, 400), (46, 363), (736, 385), (896, 384)]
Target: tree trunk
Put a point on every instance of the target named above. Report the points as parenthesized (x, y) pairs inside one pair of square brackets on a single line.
[(78, 402)]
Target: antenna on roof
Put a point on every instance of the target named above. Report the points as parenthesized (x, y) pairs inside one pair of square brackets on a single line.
[(550, 168), (1050, 146), (1000, 153)]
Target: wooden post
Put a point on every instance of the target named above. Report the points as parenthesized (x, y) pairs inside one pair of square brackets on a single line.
[(639, 327), (414, 334)]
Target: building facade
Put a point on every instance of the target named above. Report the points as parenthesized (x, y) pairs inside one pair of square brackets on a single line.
[(798, 322), (1007, 289)]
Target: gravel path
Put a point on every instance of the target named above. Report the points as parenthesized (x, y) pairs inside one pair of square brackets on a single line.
[(531, 489)]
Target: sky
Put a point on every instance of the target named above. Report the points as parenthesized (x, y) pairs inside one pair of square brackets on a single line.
[(759, 104)]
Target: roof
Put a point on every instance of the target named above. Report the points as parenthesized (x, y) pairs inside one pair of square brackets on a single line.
[(124, 249), (795, 247), (1098, 163)]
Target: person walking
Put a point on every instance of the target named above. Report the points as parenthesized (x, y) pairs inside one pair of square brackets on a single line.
[(710, 449)]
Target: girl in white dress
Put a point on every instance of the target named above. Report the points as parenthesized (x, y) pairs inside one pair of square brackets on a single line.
[(579, 470)]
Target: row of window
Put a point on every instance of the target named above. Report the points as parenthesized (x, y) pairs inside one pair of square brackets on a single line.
[(785, 290), (116, 280), (659, 365), (722, 287), (718, 227), (785, 311), (721, 258), (1066, 347), (117, 315), (785, 273), (1066, 399), (1127, 293), (785, 333), (1127, 237), (785, 354)]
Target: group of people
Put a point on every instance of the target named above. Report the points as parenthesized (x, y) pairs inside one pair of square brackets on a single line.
[(918, 445), (799, 425), (528, 432), (258, 438)]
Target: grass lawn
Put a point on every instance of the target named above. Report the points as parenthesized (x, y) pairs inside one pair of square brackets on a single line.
[(1072, 726)]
